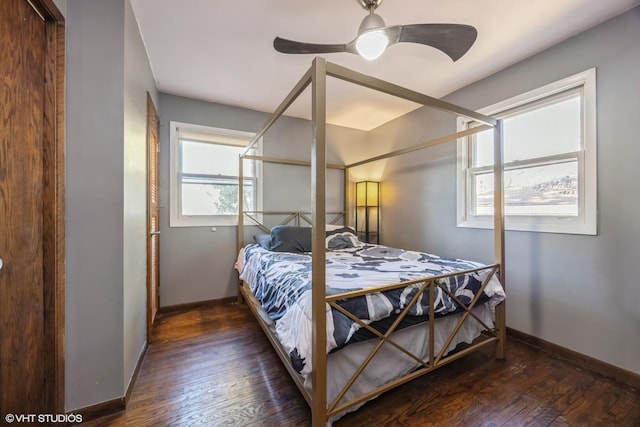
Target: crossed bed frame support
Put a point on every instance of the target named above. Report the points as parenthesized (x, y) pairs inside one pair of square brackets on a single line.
[(316, 76), (434, 361), (426, 365)]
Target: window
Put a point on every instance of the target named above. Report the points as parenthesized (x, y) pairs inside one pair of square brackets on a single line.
[(204, 175), (549, 161)]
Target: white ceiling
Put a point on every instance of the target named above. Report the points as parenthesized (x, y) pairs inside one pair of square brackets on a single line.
[(222, 51)]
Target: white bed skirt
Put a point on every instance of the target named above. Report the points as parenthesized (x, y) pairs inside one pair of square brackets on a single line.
[(390, 363)]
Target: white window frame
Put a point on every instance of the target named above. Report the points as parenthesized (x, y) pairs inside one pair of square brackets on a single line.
[(586, 220), (176, 218)]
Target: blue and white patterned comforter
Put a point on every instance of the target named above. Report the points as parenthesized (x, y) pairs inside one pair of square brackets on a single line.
[(281, 282)]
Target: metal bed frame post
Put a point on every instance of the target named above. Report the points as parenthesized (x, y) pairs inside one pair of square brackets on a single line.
[(318, 267), (240, 217), (498, 232), (347, 196)]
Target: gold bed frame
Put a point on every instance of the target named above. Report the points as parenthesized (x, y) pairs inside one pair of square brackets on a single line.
[(321, 410)]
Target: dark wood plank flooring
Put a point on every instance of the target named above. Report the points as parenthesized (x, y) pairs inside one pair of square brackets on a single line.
[(214, 367)]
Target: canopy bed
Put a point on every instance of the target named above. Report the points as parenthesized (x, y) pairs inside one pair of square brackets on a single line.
[(349, 319)]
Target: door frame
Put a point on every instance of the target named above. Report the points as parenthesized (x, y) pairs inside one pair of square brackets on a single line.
[(152, 306), (53, 203)]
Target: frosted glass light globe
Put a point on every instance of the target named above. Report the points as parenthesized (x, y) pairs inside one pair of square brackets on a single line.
[(371, 44)]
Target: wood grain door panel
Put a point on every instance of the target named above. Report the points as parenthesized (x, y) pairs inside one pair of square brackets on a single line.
[(32, 178), (21, 209)]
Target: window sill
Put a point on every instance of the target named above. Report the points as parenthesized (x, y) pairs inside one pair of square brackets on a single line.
[(540, 225), (204, 221)]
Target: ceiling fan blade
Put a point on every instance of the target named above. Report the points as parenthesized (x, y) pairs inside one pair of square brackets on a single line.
[(452, 39), (290, 46)]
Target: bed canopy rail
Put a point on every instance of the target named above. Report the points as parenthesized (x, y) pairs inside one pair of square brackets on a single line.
[(383, 86), (302, 84), (288, 161), (316, 76), (421, 146)]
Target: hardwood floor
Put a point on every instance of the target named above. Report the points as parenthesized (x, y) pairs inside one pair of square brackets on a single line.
[(214, 367)]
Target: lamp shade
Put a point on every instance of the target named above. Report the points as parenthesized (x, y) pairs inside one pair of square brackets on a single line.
[(367, 211)]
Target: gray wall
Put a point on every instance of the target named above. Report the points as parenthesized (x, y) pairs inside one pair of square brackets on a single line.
[(138, 81), (107, 80), (580, 292), (196, 264)]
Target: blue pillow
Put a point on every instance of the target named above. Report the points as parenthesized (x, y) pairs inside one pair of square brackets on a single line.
[(287, 238), (264, 240)]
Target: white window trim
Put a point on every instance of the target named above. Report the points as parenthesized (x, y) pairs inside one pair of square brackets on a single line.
[(176, 219), (586, 221)]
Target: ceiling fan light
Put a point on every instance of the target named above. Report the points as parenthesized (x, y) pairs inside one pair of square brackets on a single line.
[(371, 44), (372, 40)]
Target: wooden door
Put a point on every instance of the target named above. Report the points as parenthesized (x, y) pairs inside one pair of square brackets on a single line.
[(31, 207), (153, 219)]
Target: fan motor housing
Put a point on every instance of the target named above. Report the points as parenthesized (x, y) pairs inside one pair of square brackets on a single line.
[(370, 5)]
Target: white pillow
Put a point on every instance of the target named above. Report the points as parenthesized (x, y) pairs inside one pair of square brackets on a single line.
[(332, 227)]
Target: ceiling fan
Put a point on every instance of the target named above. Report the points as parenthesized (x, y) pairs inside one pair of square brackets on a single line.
[(374, 37)]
